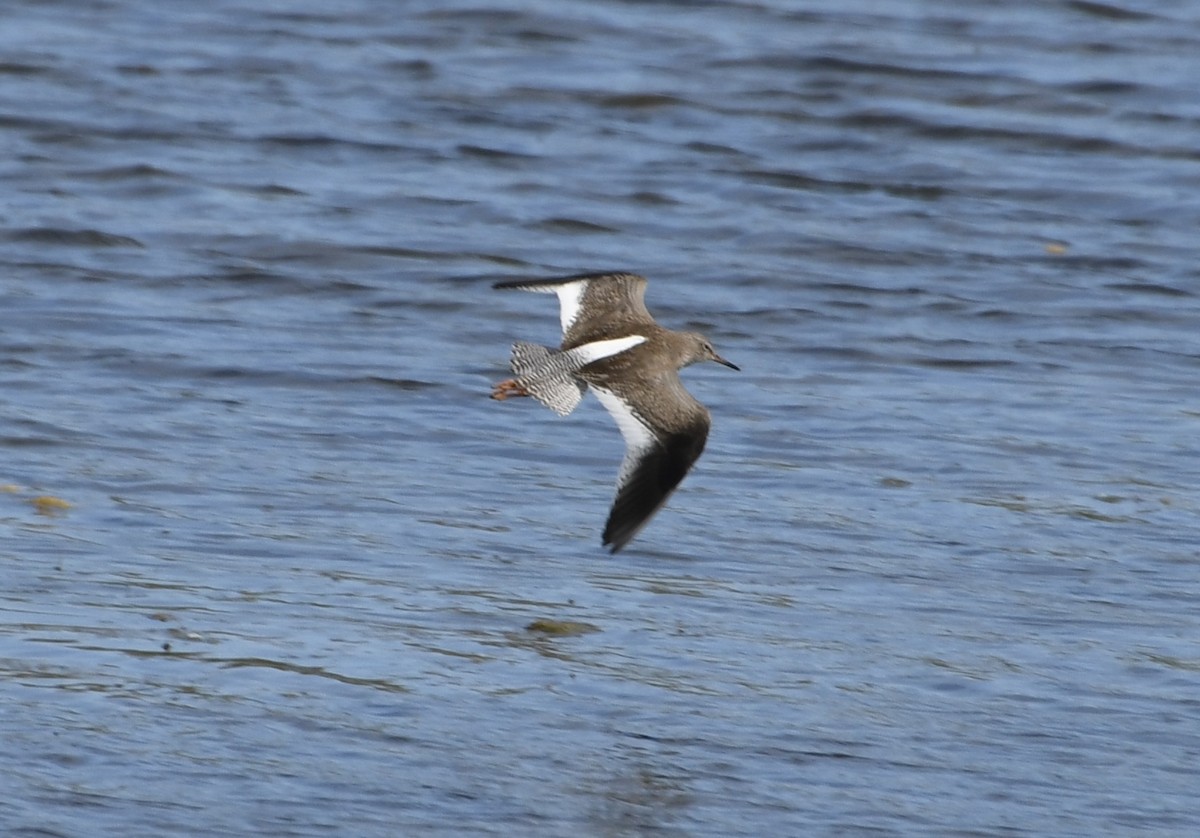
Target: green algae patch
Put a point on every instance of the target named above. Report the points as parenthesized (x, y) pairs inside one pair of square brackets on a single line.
[(560, 628)]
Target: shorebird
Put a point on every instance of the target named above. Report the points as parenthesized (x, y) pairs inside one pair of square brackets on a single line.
[(612, 346)]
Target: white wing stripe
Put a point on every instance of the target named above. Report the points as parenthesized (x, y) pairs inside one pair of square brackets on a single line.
[(598, 349), (637, 436), (570, 297)]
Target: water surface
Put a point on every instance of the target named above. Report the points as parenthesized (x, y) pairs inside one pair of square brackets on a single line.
[(271, 557)]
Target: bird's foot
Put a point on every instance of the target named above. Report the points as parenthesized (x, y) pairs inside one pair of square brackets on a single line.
[(507, 389)]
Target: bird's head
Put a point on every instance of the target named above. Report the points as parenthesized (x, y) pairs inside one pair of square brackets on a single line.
[(701, 349)]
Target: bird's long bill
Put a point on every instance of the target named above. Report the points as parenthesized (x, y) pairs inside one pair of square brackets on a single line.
[(721, 360)]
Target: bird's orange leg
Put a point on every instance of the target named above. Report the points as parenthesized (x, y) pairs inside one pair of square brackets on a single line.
[(507, 389)]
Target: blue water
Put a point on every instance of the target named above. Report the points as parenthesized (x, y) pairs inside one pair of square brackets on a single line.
[(272, 561)]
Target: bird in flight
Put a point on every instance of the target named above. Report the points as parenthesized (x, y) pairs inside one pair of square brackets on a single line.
[(612, 346)]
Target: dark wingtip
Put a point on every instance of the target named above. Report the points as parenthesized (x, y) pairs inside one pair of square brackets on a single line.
[(561, 280), (616, 541)]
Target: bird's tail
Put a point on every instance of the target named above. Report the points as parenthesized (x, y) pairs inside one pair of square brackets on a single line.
[(549, 375)]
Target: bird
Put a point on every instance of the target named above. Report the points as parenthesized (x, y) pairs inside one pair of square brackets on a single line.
[(612, 346)]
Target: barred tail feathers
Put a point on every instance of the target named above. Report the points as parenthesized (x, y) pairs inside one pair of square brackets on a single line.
[(547, 375)]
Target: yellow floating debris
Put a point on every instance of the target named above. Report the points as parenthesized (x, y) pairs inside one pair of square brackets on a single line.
[(49, 505)]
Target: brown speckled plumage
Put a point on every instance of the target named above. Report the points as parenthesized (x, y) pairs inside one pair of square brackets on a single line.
[(612, 345)]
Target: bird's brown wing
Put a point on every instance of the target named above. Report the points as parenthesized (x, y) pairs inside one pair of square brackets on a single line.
[(614, 304), (658, 455)]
